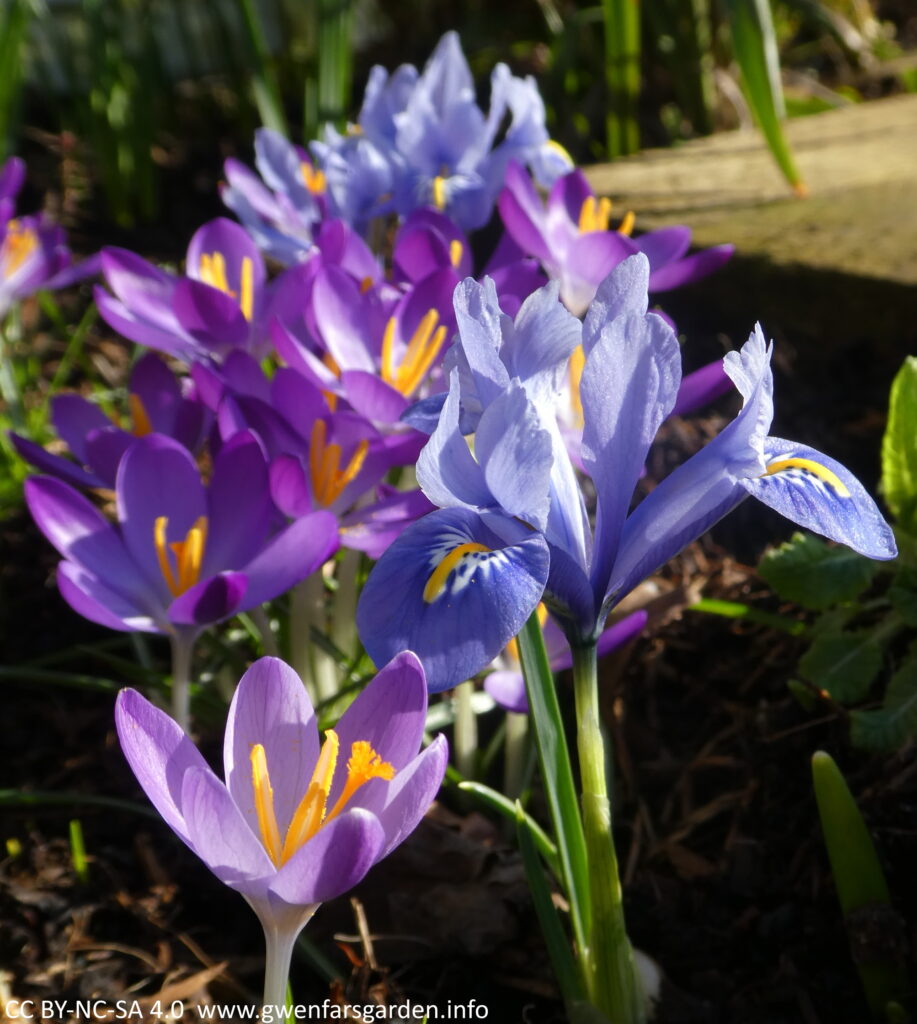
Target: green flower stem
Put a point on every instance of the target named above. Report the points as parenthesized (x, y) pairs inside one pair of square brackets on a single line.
[(614, 986), (182, 650), (516, 754), (465, 735)]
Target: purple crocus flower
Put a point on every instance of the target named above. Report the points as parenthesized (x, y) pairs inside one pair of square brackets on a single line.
[(222, 303), (282, 208), (571, 238), (296, 822), (506, 684), (157, 403), (457, 587), (181, 556), (34, 255)]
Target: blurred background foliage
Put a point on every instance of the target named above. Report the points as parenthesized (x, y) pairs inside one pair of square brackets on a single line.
[(139, 101)]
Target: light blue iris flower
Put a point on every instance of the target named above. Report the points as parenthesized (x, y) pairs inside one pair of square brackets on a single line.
[(516, 481)]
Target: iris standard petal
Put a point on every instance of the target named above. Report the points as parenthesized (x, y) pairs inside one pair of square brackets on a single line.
[(820, 494), (622, 293), (159, 754), (270, 707), (629, 385), (454, 592)]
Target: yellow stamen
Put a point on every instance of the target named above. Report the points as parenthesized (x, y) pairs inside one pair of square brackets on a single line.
[(815, 468), (142, 424), (512, 648), (20, 242), (577, 362), (313, 178), (436, 584), (310, 814), (626, 226), (264, 804), (188, 553), (330, 397), (247, 288), (594, 214), (455, 252), (362, 765), (327, 476), (213, 272), (439, 192), (419, 355)]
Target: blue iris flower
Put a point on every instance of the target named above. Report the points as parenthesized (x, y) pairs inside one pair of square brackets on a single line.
[(512, 484)]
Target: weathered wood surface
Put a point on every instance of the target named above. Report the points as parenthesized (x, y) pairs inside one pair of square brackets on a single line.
[(838, 267)]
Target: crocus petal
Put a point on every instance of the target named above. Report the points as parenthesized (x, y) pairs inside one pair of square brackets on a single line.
[(400, 804), (691, 268), (664, 246), (92, 598), (590, 259), (117, 315), (213, 318), (389, 714), (159, 754), (79, 531), (55, 465), (507, 687), (290, 557), (157, 477), (334, 860), (73, 418), (145, 290), (270, 707), (221, 836), (211, 600), (523, 213), (341, 318), (701, 387), (239, 505), (820, 494), (372, 397), (459, 623)]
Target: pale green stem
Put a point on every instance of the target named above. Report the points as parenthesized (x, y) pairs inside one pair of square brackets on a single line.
[(279, 940), (465, 747), (182, 650), (262, 623), (343, 623), (615, 984), (515, 754)]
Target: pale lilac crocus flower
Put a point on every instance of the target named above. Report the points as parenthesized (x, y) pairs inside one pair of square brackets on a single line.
[(296, 822)]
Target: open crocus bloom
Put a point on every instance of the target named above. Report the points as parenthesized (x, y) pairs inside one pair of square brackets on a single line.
[(296, 822), (182, 556)]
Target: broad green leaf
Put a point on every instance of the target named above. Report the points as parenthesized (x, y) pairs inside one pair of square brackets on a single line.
[(810, 572), (754, 43), (887, 728), (557, 776), (903, 595), (899, 447), (843, 664)]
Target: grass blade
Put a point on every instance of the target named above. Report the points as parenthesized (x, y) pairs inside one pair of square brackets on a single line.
[(557, 776), (622, 75), (754, 42)]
